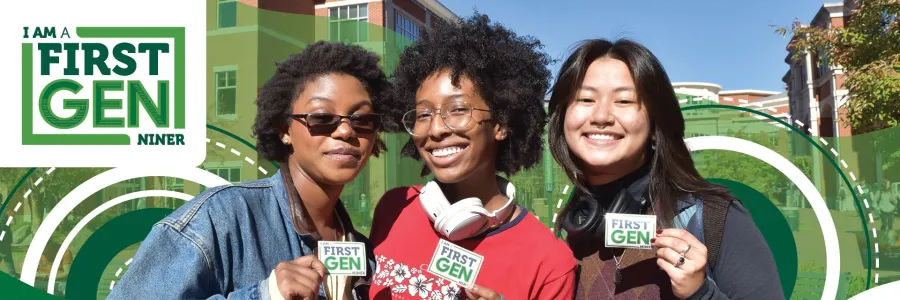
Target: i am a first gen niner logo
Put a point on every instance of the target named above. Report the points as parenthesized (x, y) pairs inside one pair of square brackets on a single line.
[(108, 86)]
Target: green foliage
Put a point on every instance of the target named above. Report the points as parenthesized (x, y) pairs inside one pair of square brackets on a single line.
[(744, 169), (868, 50)]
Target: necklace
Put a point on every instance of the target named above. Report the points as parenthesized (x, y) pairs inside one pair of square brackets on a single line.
[(617, 279)]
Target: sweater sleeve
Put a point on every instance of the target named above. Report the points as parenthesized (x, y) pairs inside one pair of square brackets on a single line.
[(745, 265)]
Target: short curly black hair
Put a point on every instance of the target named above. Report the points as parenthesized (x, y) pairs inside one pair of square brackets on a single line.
[(508, 71), (276, 97)]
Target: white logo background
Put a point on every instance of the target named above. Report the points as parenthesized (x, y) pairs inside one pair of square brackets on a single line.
[(102, 13)]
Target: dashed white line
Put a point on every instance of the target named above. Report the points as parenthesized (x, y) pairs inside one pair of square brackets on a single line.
[(554, 217), (17, 207), (835, 152), (2, 234), (238, 153), (566, 189), (28, 192), (876, 277), (874, 234), (859, 187), (50, 171), (823, 141), (111, 284), (799, 123), (38, 182), (852, 176), (871, 220), (8, 221), (118, 272), (129, 261), (844, 163), (877, 263), (866, 201), (559, 204), (876, 247)]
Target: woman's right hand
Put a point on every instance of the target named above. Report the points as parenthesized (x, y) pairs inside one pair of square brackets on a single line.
[(300, 278)]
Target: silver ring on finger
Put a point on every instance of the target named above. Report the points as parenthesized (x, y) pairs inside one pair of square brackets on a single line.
[(686, 249), (680, 261)]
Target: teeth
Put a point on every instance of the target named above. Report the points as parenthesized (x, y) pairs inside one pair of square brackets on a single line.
[(445, 151), (602, 137)]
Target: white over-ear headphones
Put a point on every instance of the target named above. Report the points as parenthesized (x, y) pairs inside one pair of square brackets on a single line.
[(467, 217)]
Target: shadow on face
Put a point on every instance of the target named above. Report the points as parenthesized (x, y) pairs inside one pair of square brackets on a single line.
[(453, 131), (331, 149)]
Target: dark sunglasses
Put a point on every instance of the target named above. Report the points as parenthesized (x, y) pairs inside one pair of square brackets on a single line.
[(361, 123)]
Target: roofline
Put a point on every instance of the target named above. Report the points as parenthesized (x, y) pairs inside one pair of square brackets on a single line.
[(763, 103), (707, 84), (735, 92), (439, 9), (824, 10)]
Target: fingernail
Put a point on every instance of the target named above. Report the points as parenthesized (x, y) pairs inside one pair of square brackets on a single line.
[(658, 231), (653, 240)]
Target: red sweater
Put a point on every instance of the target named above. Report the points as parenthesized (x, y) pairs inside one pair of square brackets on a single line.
[(522, 259)]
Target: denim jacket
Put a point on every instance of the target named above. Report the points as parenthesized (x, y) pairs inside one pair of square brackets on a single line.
[(224, 244)]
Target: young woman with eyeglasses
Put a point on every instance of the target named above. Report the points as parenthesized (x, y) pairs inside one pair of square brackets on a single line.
[(617, 129), (470, 93), (317, 117)]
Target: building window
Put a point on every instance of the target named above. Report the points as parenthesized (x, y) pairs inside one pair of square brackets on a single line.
[(407, 31), (226, 93), (132, 185), (349, 23), (232, 174), (227, 13), (175, 184), (823, 64)]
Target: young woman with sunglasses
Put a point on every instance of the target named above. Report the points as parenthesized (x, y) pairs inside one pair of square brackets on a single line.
[(617, 129), (471, 96), (317, 118)]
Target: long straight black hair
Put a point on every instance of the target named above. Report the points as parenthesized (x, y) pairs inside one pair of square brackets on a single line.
[(672, 171)]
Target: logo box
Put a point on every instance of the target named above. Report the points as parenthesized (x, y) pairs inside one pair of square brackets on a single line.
[(103, 88)]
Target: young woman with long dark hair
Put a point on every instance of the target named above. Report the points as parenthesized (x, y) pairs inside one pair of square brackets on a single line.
[(617, 129)]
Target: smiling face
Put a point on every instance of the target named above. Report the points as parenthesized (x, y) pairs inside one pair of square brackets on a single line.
[(606, 125), (454, 155), (330, 155)]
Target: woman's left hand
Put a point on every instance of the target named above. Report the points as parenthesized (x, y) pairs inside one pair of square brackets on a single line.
[(482, 293), (683, 257)]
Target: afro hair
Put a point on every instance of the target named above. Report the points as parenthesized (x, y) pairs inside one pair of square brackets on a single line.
[(277, 96), (508, 71)]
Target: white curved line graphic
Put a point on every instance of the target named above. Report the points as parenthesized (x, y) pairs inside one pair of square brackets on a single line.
[(829, 231), (96, 212)]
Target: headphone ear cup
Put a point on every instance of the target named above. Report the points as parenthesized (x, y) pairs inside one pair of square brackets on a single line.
[(461, 219), (584, 219), (433, 201)]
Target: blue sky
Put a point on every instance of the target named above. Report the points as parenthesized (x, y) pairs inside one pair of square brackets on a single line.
[(729, 43)]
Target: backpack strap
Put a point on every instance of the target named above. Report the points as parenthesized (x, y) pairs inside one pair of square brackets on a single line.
[(714, 228), (706, 221), (690, 218)]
